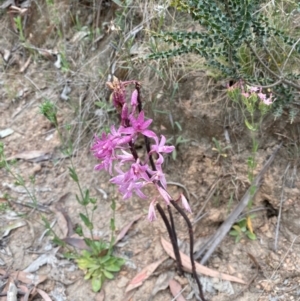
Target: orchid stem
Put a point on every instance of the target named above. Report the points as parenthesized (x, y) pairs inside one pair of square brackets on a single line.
[(191, 247), (171, 232), (176, 249), (147, 142)]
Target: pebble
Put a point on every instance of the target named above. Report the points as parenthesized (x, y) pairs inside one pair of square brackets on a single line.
[(122, 281), (36, 168)]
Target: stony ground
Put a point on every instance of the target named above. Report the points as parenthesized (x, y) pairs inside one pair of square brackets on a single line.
[(215, 182)]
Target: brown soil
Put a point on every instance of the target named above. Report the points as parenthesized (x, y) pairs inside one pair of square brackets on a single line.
[(203, 111)]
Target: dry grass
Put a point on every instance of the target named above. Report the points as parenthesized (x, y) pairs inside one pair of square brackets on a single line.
[(96, 39)]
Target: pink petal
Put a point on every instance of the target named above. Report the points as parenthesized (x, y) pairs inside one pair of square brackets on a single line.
[(164, 194), (185, 204), (134, 96), (151, 213), (149, 134)]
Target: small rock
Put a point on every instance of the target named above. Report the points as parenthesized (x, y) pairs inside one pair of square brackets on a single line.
[(36, 168), (122, 281), (216, 215)]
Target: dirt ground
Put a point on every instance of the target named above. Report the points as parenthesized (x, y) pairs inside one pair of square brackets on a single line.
[(201, 108)]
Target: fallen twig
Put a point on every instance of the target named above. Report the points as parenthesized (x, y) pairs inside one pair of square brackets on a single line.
[(280, 208)]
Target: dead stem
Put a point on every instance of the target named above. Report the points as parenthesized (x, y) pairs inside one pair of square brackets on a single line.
[(280, 208)]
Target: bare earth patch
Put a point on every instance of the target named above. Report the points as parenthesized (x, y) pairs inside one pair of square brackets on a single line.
[(215, 183)]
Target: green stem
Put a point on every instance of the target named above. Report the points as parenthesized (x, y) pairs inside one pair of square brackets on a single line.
[(31, 195), (112, 237), (82, 196)]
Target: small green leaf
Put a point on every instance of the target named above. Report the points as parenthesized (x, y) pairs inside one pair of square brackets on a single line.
[(79, 231), (238, 238), (86, 199), (93, 201), (89, 243), (78, 199), (113, 268), (73, 174), (70, 255), (237, 228), (119, 261), (86, 221), (174, 154), (252, 236), (112, 260), (243, 229), (242, 223), (104, 259), (250, 126), (114, 265), (108, 274), (233, 233), (178, 125), (112, 224), (96, 284), (83, 263), (88, 275), (113, 205), (57, 241), (46, 222)]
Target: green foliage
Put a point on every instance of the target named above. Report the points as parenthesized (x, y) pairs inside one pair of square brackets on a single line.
[(254, 105), (3, 206), (243, 42), (18, 179), (179, 140), (65, 66), (56, 240), (220, 149), (240, 229), (19, 26), (98, 264), (49, 110)]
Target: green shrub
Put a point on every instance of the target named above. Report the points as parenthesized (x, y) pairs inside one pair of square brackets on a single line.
[(242, 40)]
